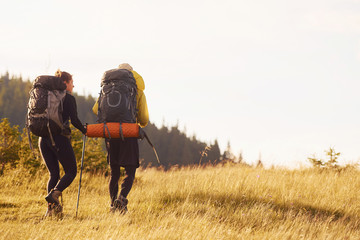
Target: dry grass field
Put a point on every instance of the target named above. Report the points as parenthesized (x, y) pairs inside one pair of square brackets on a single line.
[(222, 202)]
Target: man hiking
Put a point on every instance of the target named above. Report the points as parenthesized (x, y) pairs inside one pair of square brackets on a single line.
[(122, 99)]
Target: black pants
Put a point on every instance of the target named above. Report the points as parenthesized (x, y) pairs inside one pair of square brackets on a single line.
[(63, 154), (126, 183), (122, 153)]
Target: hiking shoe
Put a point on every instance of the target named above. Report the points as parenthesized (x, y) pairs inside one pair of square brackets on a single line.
[(54, 206), (53, 196), (54, 210), (58, 210), (112, 209), (120, 205), (50, 211)]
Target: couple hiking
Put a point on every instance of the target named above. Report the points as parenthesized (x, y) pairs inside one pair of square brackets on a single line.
[(121, 100)]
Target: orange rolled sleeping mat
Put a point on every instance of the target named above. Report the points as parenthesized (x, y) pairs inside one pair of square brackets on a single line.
[(118, 130), (113, 130)]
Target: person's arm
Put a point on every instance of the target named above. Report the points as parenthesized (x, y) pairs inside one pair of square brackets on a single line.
[(75, 121), (143, 114), (96, 107)]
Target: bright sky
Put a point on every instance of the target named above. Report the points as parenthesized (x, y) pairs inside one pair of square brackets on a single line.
[(278, 78)]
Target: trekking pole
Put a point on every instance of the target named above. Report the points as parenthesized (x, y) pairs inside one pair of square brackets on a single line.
[(152, 145), (81, 168)]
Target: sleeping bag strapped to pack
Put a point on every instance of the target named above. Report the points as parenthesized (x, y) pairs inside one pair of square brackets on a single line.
[(44, 117), (119, 130), (117, 100)]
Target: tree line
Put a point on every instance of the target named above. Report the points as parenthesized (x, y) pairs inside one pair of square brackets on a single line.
[(173, 146)]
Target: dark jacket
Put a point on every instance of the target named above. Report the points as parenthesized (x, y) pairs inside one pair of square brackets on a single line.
[(70, 113)]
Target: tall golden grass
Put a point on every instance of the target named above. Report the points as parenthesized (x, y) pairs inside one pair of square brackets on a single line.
[(222, 202)]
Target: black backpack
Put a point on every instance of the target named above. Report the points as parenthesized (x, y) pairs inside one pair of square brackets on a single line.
[(117, 99), (45, 107)]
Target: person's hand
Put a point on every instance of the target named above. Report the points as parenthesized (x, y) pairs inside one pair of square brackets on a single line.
[(85, 126)]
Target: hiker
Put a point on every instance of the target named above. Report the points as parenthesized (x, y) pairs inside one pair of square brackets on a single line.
[(62, 151), (123, 152)]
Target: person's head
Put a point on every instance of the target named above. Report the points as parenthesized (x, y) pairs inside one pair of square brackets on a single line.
[(125, 66), (67, 79)]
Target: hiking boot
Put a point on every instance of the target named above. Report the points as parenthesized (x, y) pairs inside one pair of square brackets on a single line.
[(112, 208), (54, 210), (54, 206), (58, 210), (53, 196), (120, 205), (50, 210)]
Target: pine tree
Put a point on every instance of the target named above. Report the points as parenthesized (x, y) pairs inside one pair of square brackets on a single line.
[(228, 155), (241, 158)]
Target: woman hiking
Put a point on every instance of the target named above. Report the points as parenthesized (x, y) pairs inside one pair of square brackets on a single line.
[(63, 151), (125, 152)]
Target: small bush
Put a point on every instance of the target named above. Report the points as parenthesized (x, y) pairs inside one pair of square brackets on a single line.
[(331, 162)]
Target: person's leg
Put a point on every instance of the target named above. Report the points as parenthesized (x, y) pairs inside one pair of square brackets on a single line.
[(128, 181), (67, 160), (51, 162), (114, 182), (50, 157), (113, 147), (121, 202)]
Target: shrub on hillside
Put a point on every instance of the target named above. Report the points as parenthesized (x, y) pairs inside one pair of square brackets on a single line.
[(9, 145), (331, 162), (15, 150)]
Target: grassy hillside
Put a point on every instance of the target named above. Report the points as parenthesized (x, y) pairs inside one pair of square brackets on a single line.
[(229, 202)]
